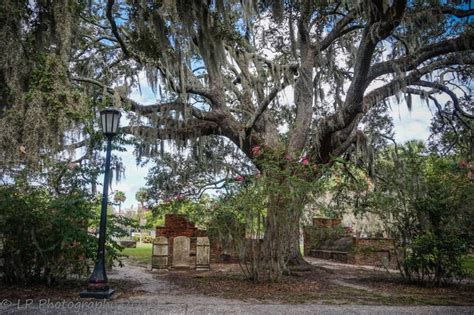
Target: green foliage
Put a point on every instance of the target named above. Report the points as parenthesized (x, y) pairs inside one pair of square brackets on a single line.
[(46, 236), (117, 228), (436, 258), (196, 211), (426, 202), (346, 182), (119, 198), (40, 118), (237, 215)]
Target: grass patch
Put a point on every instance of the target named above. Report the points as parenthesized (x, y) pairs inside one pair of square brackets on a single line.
[(141, 254), (468, 264)]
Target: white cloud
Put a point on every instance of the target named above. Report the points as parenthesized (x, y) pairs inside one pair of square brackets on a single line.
[(121, 186)]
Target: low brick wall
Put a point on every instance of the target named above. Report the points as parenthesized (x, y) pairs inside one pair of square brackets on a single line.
[(374, 252), (322, 240)]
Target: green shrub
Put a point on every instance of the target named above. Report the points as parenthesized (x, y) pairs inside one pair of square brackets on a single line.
[(46, 236), (426, 204), (433, 259)]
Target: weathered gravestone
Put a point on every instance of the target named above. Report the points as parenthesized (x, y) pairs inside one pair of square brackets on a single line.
[(181, 248), (159, 258), (203, 253)]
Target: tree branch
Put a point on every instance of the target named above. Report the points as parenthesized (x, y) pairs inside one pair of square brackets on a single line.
[(264, 105), (152, 108), (113, 25), (321, 141), (410, 62), (76, 145), (377, 30), (381, 93), (453, 11), (337, 32), (194, 128), (446, 90)]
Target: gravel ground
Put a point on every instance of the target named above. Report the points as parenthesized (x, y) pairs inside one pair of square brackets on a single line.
[(154, 295), (158, 308)]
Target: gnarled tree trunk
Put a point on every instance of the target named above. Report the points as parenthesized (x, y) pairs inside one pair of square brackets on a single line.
[(281, 246)]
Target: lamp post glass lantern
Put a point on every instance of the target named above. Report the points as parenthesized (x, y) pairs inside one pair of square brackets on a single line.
[(98, 286), (110, 118)]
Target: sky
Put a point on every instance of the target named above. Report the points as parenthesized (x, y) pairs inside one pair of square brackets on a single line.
[(408, 126)]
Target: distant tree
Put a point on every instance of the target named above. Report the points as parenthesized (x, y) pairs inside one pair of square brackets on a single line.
[(119, 198), (142, 196)]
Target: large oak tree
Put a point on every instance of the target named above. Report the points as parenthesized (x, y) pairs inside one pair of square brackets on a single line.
[(224, 69)]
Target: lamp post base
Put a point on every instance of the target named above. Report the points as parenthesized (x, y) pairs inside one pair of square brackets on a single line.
[(97, 294)]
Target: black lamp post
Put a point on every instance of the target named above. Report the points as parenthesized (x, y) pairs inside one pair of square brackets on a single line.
[(98, 286)]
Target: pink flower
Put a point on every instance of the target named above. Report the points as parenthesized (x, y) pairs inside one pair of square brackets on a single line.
[(462, 164), (288, 157), (304, 160), (239, 178), (256, 150)]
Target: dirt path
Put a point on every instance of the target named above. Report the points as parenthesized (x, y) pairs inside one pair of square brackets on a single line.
[(154, 288), (340, 277), (343, 271), (150, 282), (332, 265)]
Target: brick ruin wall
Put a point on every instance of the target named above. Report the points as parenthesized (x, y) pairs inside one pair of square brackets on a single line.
[(178, 225)]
